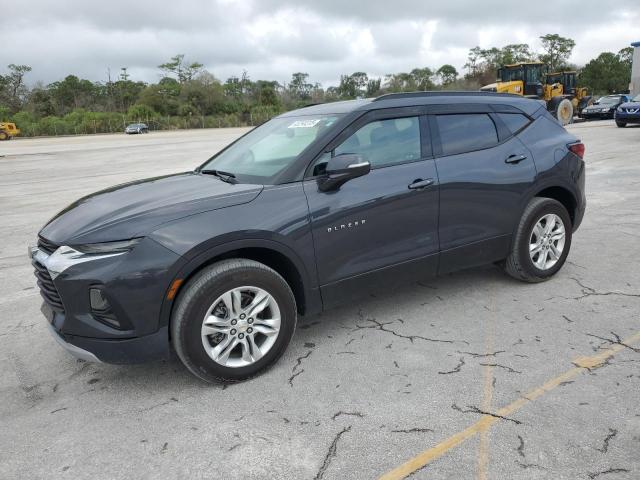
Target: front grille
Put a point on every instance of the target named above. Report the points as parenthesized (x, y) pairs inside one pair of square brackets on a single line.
[(47, 288), (46, 246)]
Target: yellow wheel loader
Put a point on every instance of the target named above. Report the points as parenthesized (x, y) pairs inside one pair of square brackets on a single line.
[(8, 130), (531, 79)]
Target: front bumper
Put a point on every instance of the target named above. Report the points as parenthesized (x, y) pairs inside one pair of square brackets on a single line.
[(71, 348), (628, 117), (596, 115), (135, 285), (118, 352)]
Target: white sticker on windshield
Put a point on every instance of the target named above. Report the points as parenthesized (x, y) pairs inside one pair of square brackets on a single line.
[(304, 123)]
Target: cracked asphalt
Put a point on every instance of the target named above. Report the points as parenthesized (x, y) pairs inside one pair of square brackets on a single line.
[(363, 388)]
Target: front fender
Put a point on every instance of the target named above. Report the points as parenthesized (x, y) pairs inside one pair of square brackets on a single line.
[(277, 220)]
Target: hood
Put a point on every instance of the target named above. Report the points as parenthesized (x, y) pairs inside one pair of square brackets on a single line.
[(630, 105), (137, 208)]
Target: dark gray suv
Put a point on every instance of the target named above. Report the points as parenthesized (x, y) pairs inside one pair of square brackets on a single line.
[(302, 213)]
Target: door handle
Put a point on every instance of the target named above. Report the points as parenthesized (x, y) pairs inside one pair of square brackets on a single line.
[(515, 158), (420, 184)]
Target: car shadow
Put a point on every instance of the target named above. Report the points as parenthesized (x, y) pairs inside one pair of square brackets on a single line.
[(170, 375)]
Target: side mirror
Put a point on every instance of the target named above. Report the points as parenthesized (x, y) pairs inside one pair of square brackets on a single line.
[(342, 168)]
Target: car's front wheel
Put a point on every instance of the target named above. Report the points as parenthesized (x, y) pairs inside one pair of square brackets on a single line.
[(233, 320), (621, 124), (542, 241)]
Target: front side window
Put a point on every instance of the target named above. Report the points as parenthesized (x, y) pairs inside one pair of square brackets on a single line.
[(267, 150), (466, 132), (385, 142)]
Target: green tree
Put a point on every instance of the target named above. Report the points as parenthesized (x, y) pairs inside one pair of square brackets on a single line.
[(373, 87), (353, 86), (72, 93), (447, 73), (557, 50), (626, 56), (474, 59), (13, 90), (516, 53), (421, 79), (299, 87), (183, 71), (607, 73)]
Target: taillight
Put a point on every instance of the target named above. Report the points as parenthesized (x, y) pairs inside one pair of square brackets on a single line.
[(577, 148)]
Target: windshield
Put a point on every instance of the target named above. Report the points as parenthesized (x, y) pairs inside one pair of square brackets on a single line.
[(636, 98), (609, 100), (511, 74), (270, 148)]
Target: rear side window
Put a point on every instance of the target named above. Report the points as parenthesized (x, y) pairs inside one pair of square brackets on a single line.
[(466, 132), (514, 121)]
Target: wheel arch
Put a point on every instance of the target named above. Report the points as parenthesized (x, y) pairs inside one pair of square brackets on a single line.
[(562, 195), (273, 254)]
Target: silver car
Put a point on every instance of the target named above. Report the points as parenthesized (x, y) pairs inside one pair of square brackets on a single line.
[(137, 128)]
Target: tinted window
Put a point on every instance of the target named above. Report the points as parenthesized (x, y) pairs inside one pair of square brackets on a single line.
[(466, 132), (385, 142), (513, 121)]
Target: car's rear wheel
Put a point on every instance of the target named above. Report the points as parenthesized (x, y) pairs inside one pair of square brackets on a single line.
[(621, 124), (542, 241), (233, 320)]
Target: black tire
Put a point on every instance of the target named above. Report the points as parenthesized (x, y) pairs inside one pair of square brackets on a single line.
[(621, 124), (4, 136), (519, 264), (196, 298)]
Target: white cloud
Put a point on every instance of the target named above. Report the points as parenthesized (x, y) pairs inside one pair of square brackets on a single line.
[(273, 38)]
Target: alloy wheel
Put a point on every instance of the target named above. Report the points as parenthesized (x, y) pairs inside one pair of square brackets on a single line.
[(241, 326), (547, 241)]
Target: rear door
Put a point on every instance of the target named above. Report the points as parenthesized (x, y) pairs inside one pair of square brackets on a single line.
[(377, 226), (485, 173)]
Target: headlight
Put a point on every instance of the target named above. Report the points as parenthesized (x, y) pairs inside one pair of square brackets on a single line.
[(619, 109), (65, 257), (107, 247)]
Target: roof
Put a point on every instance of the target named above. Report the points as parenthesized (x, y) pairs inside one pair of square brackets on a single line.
[(635, 44), (523, 63), (408, 99), (328, 108)]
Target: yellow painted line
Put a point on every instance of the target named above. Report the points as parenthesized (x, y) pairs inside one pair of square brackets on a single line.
[(423, 459), (487, 393)]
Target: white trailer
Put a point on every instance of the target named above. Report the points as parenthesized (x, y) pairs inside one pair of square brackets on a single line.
[(634, 87)]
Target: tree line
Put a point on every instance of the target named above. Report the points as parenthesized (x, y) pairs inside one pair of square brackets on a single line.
[(189, 96)]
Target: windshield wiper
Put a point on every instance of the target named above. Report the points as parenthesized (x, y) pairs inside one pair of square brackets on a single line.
[(224, 176)]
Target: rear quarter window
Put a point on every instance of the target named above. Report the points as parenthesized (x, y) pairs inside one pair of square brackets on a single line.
[(514, 121), (461, 133)]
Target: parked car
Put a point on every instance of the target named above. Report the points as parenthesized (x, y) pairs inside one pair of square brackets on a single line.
[(137, 128), (628, 112), (309, 210), (604, 107)]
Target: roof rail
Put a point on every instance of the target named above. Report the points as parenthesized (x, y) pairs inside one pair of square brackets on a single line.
[(442, 93)]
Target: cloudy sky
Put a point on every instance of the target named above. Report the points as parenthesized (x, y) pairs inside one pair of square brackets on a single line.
[(273, 38)]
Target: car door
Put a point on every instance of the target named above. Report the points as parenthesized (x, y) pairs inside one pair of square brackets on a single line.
[(485, 174), (384, 223)]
